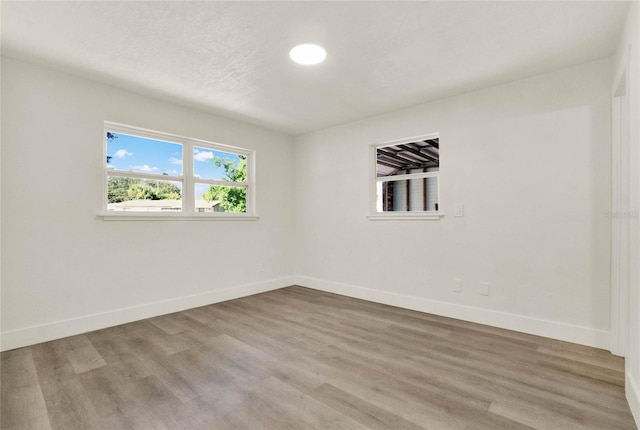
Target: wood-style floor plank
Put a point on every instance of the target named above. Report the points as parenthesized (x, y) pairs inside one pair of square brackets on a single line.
[(369, 415), (81, 354), (23, 405), (297, 358)]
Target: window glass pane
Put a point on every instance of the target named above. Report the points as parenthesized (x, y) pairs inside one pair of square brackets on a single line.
[(408, 158), (143, 195), (407, 195), (219, 198), (223, 166), (138, 154)]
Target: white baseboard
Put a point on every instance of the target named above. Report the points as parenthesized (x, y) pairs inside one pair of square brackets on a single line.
[(540, 327), (42, 333), (55, 330), (632, 390)]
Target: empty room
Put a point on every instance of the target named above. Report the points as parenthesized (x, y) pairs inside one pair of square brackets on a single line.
[(320, 215)]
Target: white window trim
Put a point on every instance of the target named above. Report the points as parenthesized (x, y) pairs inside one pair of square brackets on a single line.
[(187, 179), (374, 215)]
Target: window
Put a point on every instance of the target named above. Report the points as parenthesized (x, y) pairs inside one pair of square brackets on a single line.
[(153, 174), (405, 179)]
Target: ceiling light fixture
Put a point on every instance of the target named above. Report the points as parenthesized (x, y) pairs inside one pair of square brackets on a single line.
[(308, 54)]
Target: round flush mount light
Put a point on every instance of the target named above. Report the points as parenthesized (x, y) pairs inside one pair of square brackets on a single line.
[(308, 54)]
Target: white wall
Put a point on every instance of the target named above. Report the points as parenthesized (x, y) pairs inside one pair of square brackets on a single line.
[(0, 206), (530, 161), (64, 270), (628, 59)]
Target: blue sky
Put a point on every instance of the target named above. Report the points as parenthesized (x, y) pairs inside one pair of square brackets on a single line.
[(138, 154)]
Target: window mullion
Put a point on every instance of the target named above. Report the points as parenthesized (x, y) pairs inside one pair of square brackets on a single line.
[(250, 185), (188, 197), (407, 176), (143, 175), (221, 182)]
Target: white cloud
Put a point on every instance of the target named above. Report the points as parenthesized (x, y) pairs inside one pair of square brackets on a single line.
[(203, 156), (175, 161), (144, 168), (121, 153)]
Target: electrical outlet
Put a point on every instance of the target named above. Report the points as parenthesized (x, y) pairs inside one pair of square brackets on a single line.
[(458, 210), (457, 286), (485, 288)]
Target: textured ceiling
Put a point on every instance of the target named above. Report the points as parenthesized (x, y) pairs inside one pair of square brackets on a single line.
[(231, 58)]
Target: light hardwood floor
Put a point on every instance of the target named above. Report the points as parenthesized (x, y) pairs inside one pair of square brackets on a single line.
[(297, 358)]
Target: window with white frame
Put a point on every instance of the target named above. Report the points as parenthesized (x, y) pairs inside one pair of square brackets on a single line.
[(149, 173), (406, 176)]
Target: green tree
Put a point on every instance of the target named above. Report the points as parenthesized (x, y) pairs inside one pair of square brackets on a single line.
[(153, 190), (139, 191), (123, 189), (165, 190), (232, 199), (118, 188)]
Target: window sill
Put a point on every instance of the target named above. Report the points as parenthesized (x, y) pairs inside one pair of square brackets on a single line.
[(406, 216), (176, 217)]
